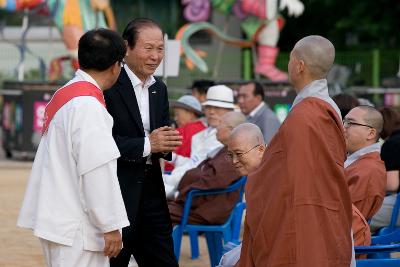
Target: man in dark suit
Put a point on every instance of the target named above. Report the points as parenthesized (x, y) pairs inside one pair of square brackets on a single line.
[(138, 102), (251, 103)]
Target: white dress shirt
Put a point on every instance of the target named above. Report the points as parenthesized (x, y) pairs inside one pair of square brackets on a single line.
[(142, 98), (254, 111)]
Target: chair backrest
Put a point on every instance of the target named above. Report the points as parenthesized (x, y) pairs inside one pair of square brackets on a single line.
[(395, 213), (387, 238), (378, 255), (237, 185)]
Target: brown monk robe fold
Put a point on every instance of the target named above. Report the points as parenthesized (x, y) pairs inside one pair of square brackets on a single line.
[(298, 204), (366, 178), (361, 231), (212, 173)]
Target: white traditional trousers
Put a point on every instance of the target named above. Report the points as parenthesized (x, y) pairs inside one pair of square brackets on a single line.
[(57, 255)]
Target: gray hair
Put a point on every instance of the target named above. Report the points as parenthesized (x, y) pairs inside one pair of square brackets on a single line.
[(233, 118)]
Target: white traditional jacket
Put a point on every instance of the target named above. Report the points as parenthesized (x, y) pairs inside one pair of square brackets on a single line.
[(73, 184)]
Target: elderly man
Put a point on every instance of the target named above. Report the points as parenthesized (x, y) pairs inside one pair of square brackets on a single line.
[(298, 203), (214, 172), (251, 103), (139, 105), (246, 149), (219, 101), (365, 171)]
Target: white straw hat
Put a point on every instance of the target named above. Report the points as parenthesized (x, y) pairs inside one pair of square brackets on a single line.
[(219, 96)]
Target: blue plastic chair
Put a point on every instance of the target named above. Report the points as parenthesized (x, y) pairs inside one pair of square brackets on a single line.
[(380, 244), (378, 249), (393, 220), (215, 234)]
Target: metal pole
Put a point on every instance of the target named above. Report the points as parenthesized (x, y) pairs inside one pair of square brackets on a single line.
[(375, 67), (165, 59), (220, 50)]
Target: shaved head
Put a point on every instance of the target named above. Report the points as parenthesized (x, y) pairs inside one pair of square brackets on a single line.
[(233, 118), (318, 54), (229, 121), (372, 117), (248, 133)]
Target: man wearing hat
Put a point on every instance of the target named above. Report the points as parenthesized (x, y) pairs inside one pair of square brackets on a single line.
[(219, 101), (187, 113)]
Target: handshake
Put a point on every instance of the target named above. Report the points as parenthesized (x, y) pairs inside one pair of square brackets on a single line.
[(164, 139)]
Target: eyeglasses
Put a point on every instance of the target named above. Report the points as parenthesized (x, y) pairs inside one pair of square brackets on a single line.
[(347, 124), (238, 156)]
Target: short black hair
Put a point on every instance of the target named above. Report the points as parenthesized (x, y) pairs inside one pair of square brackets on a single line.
[(99, 49), (202, 86), (131, 31), (258, 89)]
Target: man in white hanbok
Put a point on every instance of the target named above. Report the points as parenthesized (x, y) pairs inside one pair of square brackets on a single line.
[(73, 201)]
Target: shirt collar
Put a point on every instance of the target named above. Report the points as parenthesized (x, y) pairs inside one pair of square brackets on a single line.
[(376, 147), (254, 111), (136, 81), (318, 89), (82, 75)]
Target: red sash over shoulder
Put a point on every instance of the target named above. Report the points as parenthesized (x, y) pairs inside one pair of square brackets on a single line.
[(65, 94)]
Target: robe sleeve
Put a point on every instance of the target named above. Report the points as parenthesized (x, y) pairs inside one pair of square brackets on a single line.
[(103, 199), (91, 131)]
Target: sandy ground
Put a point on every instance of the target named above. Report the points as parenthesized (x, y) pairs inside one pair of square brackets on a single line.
[(18, 247)]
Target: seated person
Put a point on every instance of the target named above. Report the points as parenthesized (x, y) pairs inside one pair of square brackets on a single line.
[(187, 111), (219, 101), (391, 156), (364, 169), (246, 149), (213, 173)]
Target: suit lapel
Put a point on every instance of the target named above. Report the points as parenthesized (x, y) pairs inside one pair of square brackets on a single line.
[(153, 105), (128, 96)]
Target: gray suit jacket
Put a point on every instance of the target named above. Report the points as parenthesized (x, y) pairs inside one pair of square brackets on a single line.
[(268, 122)]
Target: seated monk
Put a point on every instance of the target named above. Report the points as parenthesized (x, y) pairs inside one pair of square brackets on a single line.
[(364, 169), (214, 172), (246, 148)]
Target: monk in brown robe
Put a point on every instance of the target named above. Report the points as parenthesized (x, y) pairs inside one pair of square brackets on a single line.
[(365, 171), (298, 203), (215, 172)]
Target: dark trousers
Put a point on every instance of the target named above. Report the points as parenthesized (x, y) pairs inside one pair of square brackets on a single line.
[(149, 239)]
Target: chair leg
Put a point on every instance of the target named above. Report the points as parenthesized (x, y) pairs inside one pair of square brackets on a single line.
[(211, 247), (177, 240), (194, 244), (218, 247)]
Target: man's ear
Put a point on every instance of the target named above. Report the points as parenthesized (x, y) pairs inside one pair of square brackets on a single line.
[(116, 68), (300, 66), (373, 134)]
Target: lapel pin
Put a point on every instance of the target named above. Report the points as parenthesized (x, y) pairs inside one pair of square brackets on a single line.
[(153, 92)]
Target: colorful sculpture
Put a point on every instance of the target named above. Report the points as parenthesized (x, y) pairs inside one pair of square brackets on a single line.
[(72, 18), (260, 21)]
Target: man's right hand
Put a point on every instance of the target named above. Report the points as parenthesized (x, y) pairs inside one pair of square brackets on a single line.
[(164, 139), (113, 243)]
